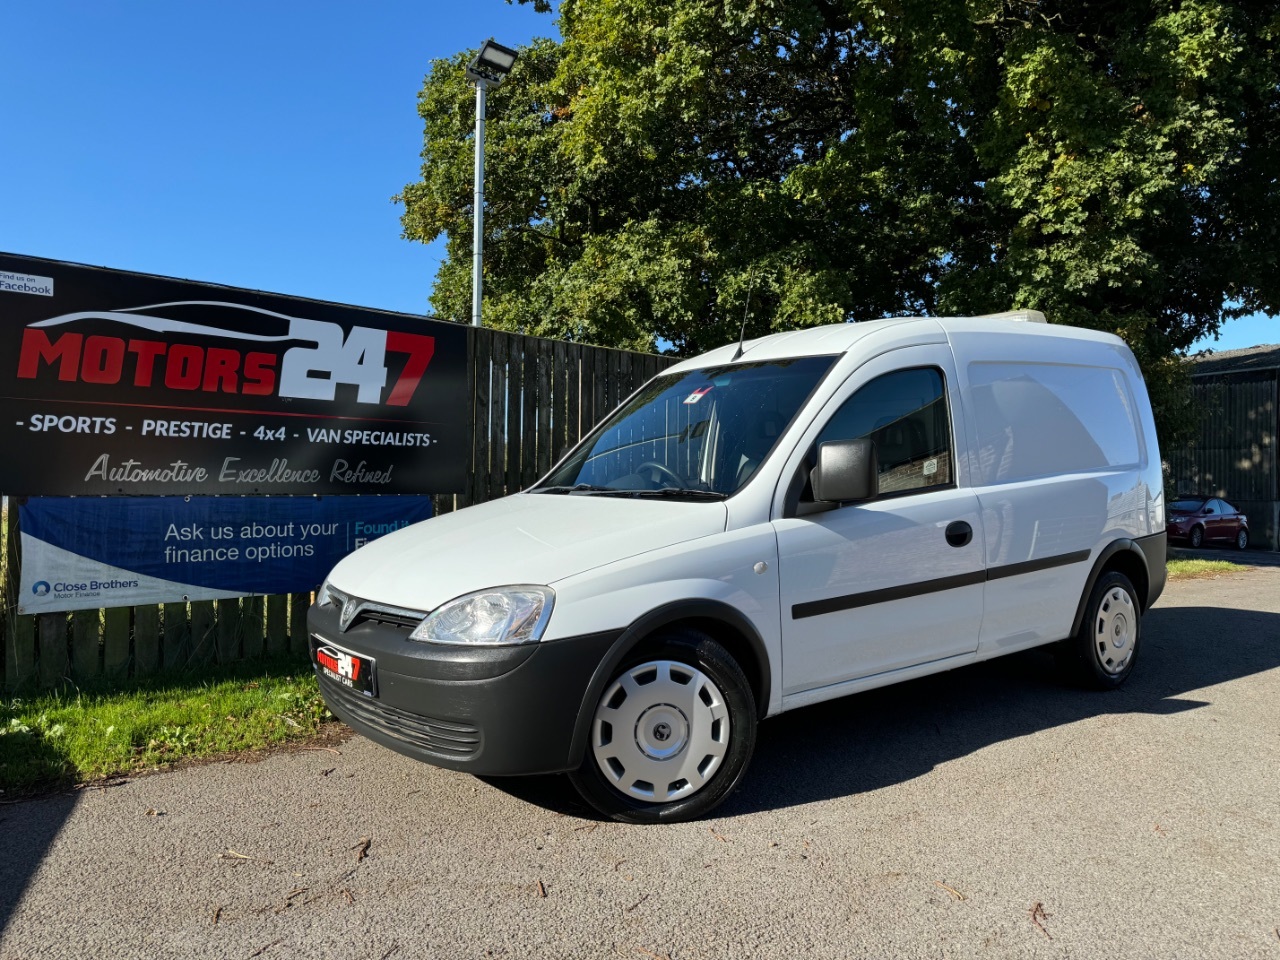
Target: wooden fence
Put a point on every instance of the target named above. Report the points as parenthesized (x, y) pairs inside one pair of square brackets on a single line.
[(530, 401)]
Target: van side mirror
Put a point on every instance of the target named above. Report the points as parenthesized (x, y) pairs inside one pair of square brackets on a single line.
[(846, 470)]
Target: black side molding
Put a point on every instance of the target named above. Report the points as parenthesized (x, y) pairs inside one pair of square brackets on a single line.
[(815, 608), (1034, 566)]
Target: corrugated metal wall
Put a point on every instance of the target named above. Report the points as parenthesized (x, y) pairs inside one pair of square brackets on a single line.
[(1235, 455)]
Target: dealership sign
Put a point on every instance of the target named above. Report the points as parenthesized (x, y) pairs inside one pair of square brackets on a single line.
[(122, 383), (84, 553)]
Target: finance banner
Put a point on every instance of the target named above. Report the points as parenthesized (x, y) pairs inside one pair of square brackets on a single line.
[(83, 553), (124, 383)]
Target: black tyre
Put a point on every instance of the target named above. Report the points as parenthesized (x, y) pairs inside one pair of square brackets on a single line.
[(672, 733), (1242, 539), (1103, 653), (1196, 537)]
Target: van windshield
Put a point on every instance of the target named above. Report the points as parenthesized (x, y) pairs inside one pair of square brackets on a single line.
[(695, 435)]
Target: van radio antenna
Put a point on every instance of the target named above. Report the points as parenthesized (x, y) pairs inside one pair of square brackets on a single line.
[(746, 312)]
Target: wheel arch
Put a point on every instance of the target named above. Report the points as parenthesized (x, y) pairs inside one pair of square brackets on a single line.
[(1128, 557), (726, 625)]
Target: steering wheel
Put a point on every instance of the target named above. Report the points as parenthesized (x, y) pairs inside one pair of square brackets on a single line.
[(664, 470)]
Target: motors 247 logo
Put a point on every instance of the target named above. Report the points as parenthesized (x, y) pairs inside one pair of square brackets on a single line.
[(325, 357)]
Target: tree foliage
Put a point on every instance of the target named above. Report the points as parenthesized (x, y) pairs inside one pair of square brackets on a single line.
[(669, 168)]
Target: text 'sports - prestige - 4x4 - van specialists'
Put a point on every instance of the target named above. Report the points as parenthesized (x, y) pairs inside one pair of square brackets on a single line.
[(763, 527)]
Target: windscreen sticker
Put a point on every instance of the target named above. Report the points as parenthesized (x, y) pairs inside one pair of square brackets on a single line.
[(697, 395)]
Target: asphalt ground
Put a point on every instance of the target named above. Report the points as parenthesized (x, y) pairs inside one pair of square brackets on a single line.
[(988, 812)]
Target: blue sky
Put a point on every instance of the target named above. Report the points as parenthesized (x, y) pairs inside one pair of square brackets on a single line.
[(253, 144), (256, 144)]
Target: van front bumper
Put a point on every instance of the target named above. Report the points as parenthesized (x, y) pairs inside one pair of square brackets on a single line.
[(492, 711)]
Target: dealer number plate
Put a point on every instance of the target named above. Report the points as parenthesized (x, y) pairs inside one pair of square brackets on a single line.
[(352, 671)]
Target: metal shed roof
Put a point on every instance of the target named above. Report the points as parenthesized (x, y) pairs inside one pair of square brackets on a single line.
[(1263, 357)]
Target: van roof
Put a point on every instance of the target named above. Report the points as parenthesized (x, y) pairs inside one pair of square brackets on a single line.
[(839, 338)]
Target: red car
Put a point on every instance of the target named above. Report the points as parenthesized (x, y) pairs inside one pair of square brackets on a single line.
[(1200, 520)]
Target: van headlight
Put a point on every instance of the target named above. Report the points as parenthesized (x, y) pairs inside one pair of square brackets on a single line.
[(501, 615)]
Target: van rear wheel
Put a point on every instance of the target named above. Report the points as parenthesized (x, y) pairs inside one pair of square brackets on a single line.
[(1102, 654), (672, 733)]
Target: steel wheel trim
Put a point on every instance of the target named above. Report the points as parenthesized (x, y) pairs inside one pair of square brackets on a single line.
[(1242, 539), (1116, 631), (661, 731)]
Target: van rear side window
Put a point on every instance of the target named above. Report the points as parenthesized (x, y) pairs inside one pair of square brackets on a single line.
[(1041, 419)]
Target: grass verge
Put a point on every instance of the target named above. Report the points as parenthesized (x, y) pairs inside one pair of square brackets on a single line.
[(1202, 569), (75, 735)]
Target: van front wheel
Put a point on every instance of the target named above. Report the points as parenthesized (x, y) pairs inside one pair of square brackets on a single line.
[(1102, 654), (671, 734)]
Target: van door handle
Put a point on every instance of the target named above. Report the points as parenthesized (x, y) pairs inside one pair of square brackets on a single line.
[(959, 533)]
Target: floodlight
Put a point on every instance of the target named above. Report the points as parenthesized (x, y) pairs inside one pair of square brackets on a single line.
[(492, 63)]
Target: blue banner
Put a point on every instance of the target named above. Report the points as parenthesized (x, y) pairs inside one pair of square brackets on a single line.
[(83, 553)]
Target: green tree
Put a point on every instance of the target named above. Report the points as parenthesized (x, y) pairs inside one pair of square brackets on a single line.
[(669, 167)]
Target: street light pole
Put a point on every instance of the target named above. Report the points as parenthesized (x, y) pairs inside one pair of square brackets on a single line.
[(487, 69), (477, 236)]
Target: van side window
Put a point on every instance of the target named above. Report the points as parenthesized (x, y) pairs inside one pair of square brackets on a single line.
[(905, 414), (1045, 419)]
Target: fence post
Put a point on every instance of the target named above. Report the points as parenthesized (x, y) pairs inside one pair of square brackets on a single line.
[(251, 623), (573, 395), (560, 397), (177, 635), (201, 646), (298, 642), (85, 643), (498, 384), (228, 630), (477, 361), (146, 639), (115, 641), (51, 634), (277, 625), (19, 631), (546, 403), (515, 404), (529, 413)]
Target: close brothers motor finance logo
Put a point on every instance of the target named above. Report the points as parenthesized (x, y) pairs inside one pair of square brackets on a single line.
[(41, 588), (310, 372)]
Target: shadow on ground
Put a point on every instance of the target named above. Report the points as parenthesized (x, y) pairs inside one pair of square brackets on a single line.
[(25, 850), (895, 734)]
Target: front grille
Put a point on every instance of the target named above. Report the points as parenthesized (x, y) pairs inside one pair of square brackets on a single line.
[(386, 615), (377, 612), (446, 738)]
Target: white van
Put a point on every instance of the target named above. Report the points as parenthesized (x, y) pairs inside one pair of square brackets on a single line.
[(763, 527)]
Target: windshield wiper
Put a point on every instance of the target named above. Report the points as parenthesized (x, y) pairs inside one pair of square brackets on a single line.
[(579, 488), (664, 492), (676, 492)]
